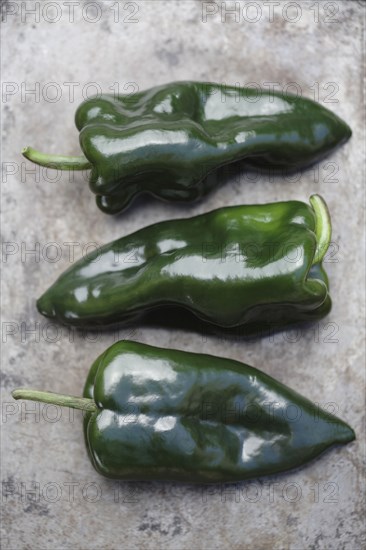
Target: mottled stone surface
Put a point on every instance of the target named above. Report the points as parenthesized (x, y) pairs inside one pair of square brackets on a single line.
[(143, 44)]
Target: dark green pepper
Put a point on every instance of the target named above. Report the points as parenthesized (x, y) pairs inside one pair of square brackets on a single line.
[(154, 413), (249, 267), (166, 140)]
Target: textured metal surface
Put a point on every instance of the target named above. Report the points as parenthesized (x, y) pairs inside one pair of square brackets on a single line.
[(51, 496)]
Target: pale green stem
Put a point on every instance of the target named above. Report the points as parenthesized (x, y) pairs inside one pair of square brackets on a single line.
[(58, 162), (323, 227), (82, 403)]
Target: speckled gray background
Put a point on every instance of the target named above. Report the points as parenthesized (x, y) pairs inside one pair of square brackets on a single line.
[(51, 496)]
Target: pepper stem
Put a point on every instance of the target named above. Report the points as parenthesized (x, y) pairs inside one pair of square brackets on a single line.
[(82, 403), (323, 227), (58, 162)]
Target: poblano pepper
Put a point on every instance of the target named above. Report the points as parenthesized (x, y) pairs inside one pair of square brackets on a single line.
[(253, 267), (153, 413), (166, 140)]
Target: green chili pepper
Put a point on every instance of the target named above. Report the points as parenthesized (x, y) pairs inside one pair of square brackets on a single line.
[(166, 140), (154, 413), (253, 267)]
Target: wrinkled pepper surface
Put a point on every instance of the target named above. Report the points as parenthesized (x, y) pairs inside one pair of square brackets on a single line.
[(153, 413), (166, 140), (254, 267)]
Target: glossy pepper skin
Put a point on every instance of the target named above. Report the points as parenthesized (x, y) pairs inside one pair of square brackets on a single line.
[(166, 140), (163, 414), (252, 267)]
